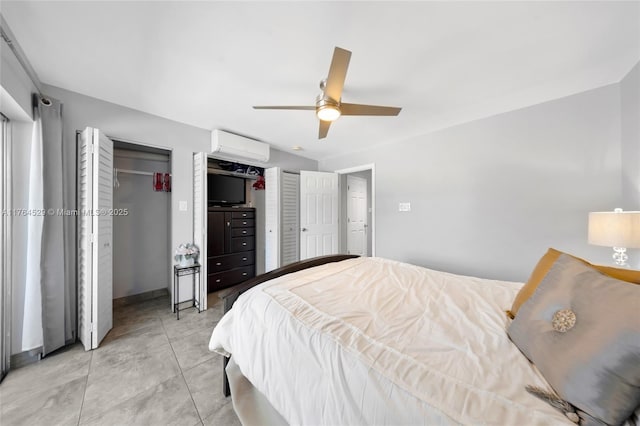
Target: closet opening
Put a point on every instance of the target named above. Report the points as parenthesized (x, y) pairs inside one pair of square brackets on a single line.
[(142, 228)]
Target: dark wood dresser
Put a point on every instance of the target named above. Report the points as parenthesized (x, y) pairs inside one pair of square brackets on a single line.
[(230, 246)]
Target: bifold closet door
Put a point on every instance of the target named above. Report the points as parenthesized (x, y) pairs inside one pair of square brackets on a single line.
[(200, 222), (290, 216), (95, 237), (282, 218)]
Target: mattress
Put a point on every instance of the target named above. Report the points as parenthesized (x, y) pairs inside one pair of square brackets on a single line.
[(374, 341)]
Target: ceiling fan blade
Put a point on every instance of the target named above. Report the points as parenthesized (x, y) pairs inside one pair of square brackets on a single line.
[(324, 129), (296, 107), (337, 73), (361, 109)]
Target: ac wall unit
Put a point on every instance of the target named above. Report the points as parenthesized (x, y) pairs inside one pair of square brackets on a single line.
[(229, 146)]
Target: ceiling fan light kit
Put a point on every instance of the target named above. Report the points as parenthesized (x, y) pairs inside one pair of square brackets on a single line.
[(327, 109), (329, 106)]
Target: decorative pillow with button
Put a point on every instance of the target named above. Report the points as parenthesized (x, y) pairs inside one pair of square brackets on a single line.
[(581, 328), (546, 262)]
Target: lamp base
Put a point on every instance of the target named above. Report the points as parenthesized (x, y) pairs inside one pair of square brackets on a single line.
[(620, 257)]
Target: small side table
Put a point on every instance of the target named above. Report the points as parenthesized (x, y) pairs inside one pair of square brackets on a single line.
[(181, 271)]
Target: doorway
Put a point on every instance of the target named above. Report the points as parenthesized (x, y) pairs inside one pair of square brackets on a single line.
[(357, 210), (357, 215), (121, 247)]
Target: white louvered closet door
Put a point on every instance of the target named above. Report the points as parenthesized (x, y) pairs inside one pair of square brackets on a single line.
[(200, 222), (290, 251), (103, 235), (95, 237)]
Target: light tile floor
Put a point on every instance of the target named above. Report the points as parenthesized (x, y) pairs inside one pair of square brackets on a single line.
[(151, 369)]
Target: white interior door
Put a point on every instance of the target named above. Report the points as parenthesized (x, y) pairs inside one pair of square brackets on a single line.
[(318, 214), (272, 177), (356, 215), (200, 224), (95, 255)]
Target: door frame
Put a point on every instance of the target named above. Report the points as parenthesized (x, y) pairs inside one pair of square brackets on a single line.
[(372, 225)]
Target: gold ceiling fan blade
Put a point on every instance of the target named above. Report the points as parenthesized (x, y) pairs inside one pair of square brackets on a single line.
[(337, 73), (324, 129), (361, 109), (295, 107)]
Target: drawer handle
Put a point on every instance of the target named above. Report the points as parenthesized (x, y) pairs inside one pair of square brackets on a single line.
[(244, 274), (244, 223), (218, 263), (244, 215), (244, 259), (244, 244), (244, 232), (218, 280)]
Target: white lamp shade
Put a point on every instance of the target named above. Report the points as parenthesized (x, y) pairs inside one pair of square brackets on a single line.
[(615, 229)]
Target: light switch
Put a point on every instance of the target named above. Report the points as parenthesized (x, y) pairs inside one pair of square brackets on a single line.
[(182, 206), (404, 207)]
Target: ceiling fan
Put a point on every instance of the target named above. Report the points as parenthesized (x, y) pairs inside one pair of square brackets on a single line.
[(329, 105)]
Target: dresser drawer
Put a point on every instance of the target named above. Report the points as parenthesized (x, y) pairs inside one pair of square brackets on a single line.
[(242, 244), (229, 261), (242, 232), (242, 223), (225, 279), (242, 215)]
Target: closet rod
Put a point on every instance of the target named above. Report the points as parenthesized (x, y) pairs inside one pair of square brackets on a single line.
[(133, 172)]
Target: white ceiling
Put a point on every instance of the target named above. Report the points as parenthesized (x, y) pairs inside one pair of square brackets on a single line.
[(206, 63)]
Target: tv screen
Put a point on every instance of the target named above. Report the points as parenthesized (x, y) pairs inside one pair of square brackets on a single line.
[(225, 190)]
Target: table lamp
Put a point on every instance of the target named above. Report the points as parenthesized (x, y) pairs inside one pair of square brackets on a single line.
[(618, 229)]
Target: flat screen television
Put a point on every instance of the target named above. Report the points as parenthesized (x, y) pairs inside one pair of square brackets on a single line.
[(225, 190)]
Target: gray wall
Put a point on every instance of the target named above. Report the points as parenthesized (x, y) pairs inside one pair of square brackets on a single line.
[(142, 236), (630, 132), (490, 196), (630, 137)]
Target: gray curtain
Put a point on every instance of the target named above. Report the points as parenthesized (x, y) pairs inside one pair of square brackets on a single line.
[(57, 284)]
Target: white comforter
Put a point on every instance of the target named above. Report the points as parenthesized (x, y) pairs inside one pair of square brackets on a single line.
[(374, 341)]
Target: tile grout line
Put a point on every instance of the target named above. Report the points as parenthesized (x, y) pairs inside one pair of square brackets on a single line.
[(84, 394), (182, 374)]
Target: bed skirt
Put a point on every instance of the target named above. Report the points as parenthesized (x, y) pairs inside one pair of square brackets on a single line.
[(250, 405)]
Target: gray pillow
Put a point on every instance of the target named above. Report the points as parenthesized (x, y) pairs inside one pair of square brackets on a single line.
[(582, 331)]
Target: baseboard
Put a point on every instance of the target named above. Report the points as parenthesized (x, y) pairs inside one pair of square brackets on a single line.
[(140, 297), (25, 358)]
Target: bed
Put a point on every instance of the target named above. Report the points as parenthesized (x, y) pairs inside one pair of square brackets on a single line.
[(374, 341)]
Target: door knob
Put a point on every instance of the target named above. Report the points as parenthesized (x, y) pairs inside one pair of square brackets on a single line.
[(304, 229)]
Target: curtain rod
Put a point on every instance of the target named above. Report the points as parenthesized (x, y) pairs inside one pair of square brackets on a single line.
[(7, 36)]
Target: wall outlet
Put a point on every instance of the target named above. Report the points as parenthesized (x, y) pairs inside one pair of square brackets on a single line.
[(182, 206), (404, 207)]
